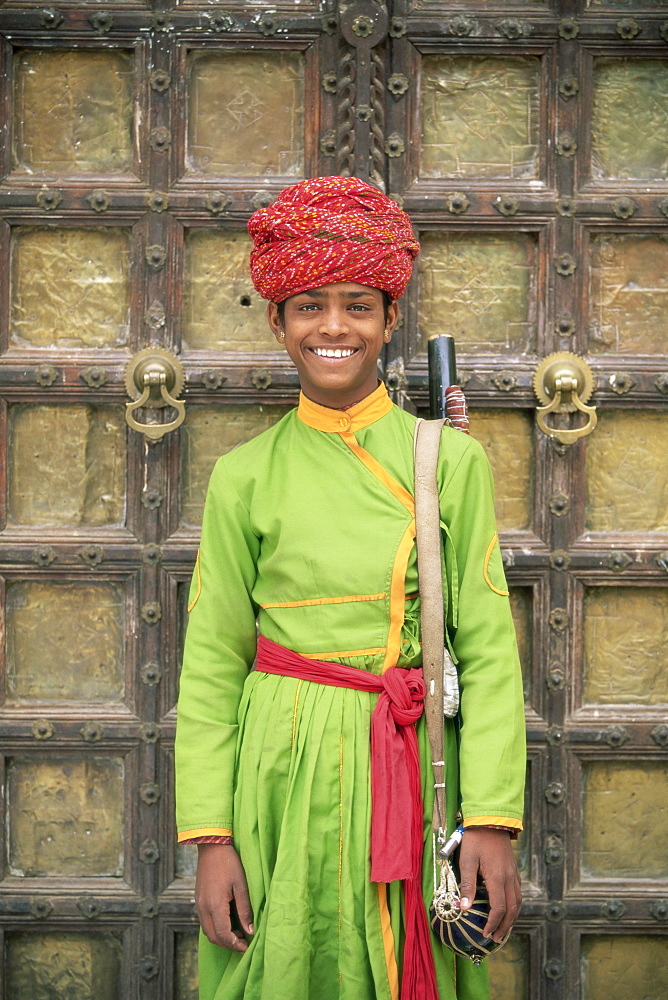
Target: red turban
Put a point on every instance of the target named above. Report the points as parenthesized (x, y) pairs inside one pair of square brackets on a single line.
[(330, 229)]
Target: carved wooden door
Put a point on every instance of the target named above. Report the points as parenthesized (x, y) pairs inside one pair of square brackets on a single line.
[(528, 142)]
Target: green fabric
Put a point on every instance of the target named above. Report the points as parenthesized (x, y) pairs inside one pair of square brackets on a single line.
[(294, 515)]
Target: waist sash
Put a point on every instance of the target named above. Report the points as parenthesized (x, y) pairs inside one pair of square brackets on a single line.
[(396, 790)]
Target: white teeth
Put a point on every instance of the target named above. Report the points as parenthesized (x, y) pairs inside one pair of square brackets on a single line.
[(329, 352)]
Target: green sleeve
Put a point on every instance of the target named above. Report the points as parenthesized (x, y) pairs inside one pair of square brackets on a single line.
[(219, 651), (492, 732)]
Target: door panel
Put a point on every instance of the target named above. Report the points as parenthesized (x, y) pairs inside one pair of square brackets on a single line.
[(528, 143)]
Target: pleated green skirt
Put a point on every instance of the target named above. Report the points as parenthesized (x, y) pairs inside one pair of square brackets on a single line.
[(302, 812)]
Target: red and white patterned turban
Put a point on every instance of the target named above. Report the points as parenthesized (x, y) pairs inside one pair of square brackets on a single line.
[(330, 229)]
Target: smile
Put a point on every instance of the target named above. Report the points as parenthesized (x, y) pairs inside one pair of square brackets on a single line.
[(333, 352)]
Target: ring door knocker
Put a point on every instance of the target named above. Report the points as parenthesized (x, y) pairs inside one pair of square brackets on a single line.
[(563, 383), (154, 377)]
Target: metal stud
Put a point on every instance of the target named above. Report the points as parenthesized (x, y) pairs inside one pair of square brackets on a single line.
[(659, 909), (457, 203), (94, 376), (627, 28), (398, 27), (43, 555), (566, 144), (42, 729), (555, 793), (152, 499), (160, 80), (505, 381), (616, 736), (262, 199), (624, 207), (568, 86), (41, 908), (267, 24), (618, 561), (613, 909), (568, 28), (92, 555), (220, 22), (158, 201), (556, 678), (621, 383), (217, 202), (151, 674), (394, 145), (149, 967), (149, 793), (566, 206), (151, 555), (48, 198), (397, 84), (560, 560), (513, 28), (559, 619), (151, 612), (261, 378), (149, 852), (50, 18), (160, 139), (565, 265), (461, 26), (103, 22), (46, 375), (328, 82), (150, 732), (506, 204), (91, 732), (560, 504), (213, 380)]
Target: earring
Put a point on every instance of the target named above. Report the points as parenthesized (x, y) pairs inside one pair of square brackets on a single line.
[(281, 336), (388, 336)]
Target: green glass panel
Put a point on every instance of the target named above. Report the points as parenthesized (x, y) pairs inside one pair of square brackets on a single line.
[(186, 978), (221, 309), (509, 970), (480, 287), (186, 861), (623, 804), (246, 114), (630, 119), (629, 293), (63, 965), (70, 287), (627, 473), (208, 433), (624, 966), (521, 605), (65, 641), (67, 465), (73, 111), (507, 437), (622, 665), (65, 817), (480, 116)]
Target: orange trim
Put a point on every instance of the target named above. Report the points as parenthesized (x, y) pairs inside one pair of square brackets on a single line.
[(199, 584), (488, 556), (366, 412), (343, 652), (402, 495), (388, 941), (208, 831), (398, 597), (324, 600), (514, 824)]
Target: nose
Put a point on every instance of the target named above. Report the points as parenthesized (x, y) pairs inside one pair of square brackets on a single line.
[(334, 322)]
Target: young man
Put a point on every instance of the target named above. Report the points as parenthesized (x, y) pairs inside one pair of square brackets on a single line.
[(304, 891)]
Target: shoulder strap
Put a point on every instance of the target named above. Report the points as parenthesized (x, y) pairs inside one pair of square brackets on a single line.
[(430, 577)]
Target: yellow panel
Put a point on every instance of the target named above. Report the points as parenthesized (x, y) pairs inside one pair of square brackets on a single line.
[(65, 641), (629, 293), (70, 287), (521, 604), (509, 970), (245, 114), (73, 111), (623, 665), (221, 309), (507, 437), (625, 819), (186, 978), (66, 817), (63, 965), (630, 118), (210, 432), (627, 472), (67, 465), (480, 116), (624, 966), (480, 288), (186, 861)]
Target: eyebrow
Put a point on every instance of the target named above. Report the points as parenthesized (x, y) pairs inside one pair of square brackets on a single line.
[(316, 293)]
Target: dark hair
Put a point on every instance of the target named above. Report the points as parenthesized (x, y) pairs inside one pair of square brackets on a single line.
[(386, 305)]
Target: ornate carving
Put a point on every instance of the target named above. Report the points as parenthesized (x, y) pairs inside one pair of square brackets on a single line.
[(568, 86), (149, 793), (613, 909), (566, 144), (160, 80), (377, 137), (397, 84), (150, 732), (102, 22), (45, 375), (555, 793), (507, 204), (568, 28), (149, 852), (94, 376), (160, 139), (151, 555), (345, 143), (627, 28), (213, 380), (624, 207), (220, 22), (151, 612), (616, 736), (92, 555), (151, 674), (461, 26), (560, 560), (43, 555), (48, 198), (92, 732), (394, 145), (505, 381), (621, 383), (42, 729), (267, 24), (559, 619), (217, 202), (158, 201), (513, 28), (566, 206), (261, 378), (457, 203), (618, 561), (565, 265), (560, 504), (329, 82), (50, 18)]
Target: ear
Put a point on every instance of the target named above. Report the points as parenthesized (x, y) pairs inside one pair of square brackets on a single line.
[(274, 322), (392, 318)]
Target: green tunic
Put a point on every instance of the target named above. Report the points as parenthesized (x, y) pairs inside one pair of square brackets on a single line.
[(309, 531)]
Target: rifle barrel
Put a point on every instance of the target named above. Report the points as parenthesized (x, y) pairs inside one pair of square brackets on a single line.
[(442, 371)]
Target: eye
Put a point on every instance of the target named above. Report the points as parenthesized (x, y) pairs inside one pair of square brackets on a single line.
[(308, 307)]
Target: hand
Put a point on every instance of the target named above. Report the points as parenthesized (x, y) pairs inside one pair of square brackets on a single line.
[(220, 889), (489, 852)]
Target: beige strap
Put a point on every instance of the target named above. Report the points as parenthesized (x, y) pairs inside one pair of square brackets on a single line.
[(430, 577)]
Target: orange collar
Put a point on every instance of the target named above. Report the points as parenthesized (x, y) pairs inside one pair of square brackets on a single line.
[(366, 412)]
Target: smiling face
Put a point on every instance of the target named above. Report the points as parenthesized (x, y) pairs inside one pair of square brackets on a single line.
[(334, 335)]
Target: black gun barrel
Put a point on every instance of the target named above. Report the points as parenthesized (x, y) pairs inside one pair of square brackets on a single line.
[(442, 371)]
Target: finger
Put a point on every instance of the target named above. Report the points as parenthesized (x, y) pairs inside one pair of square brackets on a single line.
[(243, 905), (224, 933), (468, 871), (513, 903), (497, 907)]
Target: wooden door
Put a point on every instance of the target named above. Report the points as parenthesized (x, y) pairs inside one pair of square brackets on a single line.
[(528, 143)]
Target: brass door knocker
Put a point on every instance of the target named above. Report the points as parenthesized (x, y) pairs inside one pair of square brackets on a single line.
[(154, 377), (563, 382)]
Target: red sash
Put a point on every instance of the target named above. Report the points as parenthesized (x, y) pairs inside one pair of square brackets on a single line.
[(396, 791)]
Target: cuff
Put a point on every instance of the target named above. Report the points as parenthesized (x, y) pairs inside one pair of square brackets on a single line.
[(194, 836), (513, 826)]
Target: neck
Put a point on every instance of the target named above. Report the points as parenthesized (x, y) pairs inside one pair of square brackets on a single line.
[(340, 403)]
